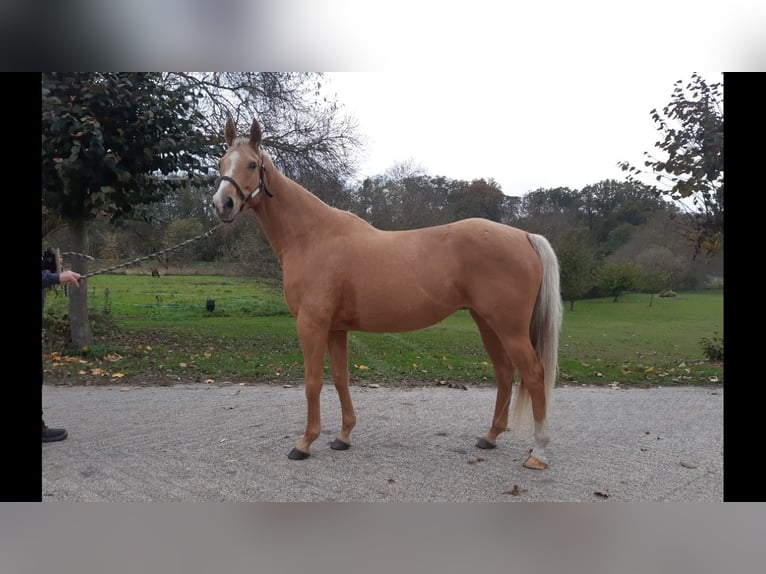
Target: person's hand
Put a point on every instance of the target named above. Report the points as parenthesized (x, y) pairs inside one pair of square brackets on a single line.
[(71, 277)]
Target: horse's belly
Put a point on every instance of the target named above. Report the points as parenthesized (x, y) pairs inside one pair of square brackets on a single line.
[(395, 314)]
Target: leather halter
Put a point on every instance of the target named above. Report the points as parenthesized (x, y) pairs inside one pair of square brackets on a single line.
[(241, 194)]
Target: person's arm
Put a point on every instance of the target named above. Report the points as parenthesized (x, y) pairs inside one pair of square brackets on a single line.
[(70, 277), (49, 278)]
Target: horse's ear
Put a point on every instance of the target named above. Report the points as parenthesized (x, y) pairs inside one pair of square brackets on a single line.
[(255, 135), (230, 132)]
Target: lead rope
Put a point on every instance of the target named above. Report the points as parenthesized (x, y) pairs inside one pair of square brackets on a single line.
[(139, 259)]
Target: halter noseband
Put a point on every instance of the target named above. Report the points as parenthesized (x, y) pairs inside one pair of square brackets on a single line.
[(240, 193)]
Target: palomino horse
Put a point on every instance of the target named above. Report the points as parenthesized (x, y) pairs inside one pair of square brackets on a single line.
[(341, 274)]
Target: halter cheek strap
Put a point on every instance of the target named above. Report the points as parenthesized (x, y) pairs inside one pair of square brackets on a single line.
[(241, 194)]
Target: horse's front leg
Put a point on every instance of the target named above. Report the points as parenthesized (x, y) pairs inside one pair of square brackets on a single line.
[(313, 345), (338, 346)]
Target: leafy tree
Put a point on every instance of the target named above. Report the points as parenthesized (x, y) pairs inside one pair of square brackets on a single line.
[(511, 209), (691, 128), (404, 198), (552, 212), (422, 202), (616, 238), (554, 200), (616, 278), (609, 204), (374, 203), (576, 261), (480, 198), (110, 143), (658, 269), (410, 197)]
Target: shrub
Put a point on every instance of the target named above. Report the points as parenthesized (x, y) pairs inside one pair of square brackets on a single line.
[(56, 333), (712, 348)]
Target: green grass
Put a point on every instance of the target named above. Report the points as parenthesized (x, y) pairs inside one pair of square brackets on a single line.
[(629, 341), (157, 330)]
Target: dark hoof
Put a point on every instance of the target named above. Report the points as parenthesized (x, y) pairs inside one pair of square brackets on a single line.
[(296, 454), (485, 444), (338, 444)]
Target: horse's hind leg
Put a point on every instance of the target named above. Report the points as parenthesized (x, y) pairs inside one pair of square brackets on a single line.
[(338, 347), (504, 371), (531, 371)]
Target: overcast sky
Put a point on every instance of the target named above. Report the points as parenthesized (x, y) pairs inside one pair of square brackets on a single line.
[(525, 130)]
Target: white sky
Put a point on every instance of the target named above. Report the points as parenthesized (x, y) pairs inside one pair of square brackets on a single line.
[(525, 130)]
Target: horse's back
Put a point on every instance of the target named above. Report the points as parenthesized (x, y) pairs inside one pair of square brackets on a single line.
[(487, 248)]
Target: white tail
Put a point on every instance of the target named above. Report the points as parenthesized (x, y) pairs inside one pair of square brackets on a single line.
[(543, 330)]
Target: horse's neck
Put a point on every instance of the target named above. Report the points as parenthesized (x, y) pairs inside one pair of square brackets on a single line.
[(292, 216)]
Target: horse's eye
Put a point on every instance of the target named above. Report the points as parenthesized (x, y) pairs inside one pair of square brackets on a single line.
[(253, 165)]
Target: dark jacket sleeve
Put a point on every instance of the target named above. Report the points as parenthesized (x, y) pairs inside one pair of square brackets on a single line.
[(49, 278)]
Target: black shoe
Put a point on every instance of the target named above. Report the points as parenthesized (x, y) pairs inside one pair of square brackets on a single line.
[(53, 435)]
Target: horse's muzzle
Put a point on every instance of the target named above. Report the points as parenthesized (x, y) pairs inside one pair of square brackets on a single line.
[(225, 207)]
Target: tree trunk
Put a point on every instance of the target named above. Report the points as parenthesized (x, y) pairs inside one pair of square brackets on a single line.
[(79, 323)]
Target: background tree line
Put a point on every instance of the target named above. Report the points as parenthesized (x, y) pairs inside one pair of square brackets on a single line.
[(130, 160)]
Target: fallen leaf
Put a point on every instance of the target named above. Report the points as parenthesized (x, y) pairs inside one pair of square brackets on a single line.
[(688, 464), (209, 381), (515, 491), (235, 392), (604, 493), (117, 375)]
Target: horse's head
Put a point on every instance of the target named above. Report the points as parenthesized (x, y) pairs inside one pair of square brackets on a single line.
[(242, 172)]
